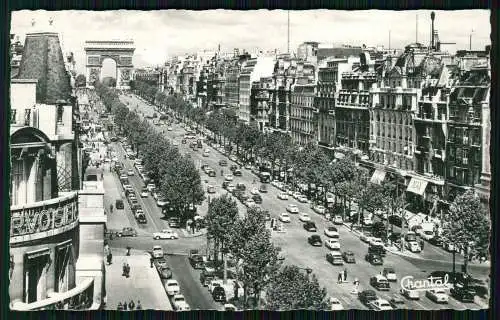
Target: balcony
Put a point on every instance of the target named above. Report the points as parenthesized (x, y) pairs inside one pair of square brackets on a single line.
[(44, 219)]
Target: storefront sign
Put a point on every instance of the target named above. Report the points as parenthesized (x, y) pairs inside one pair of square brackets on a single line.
[(407, 283), (42, 218)]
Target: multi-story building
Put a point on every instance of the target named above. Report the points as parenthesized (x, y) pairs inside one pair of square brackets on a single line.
[(232, 75), (352, 117), (303, 122), (328, 87), (202, 88), (16, 53), (308, 51), (152, 76), (251, 71), (467, 164), (187, 78), (260, 102), (53, 264), (284, 77)]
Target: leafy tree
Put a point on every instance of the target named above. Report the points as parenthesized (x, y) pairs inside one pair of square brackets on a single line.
[(467, 225), (181, 186), (221, 217), (291, 289), (80, 81), (250, 243), (379, 230)]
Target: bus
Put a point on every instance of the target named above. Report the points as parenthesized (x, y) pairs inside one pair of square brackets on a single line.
[(265, 177)]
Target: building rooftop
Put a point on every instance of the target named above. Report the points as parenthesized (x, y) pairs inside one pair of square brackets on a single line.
[(43, 60)]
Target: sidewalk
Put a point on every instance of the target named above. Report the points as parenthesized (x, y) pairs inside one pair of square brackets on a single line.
[(144, 283)]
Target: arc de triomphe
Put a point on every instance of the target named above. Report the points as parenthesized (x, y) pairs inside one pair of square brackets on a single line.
[(121, 51)]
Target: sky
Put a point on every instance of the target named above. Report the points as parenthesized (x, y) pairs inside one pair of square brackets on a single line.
[(165, 33)]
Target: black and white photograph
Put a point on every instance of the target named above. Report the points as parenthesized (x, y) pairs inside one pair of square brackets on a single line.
[(233, 160)]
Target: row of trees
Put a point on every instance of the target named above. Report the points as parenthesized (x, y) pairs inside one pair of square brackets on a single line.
[(248, 241), (311, 166), (176, 176)]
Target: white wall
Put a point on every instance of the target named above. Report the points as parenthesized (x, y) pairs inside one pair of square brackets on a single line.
[(22, 96)]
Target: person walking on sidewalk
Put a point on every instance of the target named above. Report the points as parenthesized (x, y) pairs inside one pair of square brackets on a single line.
[(125, 306), (345, 274), (339, 278), (139, 306), (131, 305), (119, 307), (111, 208)]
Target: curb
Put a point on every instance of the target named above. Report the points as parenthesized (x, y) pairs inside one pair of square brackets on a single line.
[(196, 235)]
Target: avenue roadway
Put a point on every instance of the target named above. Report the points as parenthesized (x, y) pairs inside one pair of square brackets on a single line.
[(293, 242)]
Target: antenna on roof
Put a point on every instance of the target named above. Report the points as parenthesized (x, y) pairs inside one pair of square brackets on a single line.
[(288, 38), (416, 28)]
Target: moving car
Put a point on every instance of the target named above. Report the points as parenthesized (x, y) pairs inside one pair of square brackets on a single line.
[(151, 187), (164, 272), (229, 177), (165, 234), (292, 208), (380, 305), (374, 259), (367, 296), (179, 303), (373, 241), (127, 232), (302, 199), (172, 287), (158, 252), (219, 294), (349, 257), (397, 302), (304, 217), (410, 293), (257, 198), (332, 232), (437, 295), (413, 246), (254, 191), (436, 241), (237, 173), (223, 163), (380, 283), (161, 202), (335, 258), (210, 189), (284, 217), (144, 193), (335, 304), (315, 240), (332, 244), (250, 203), (196, 260), (389, 274), (310, 226), (427, 235), (231, 187), (206, 154), (130, 172), (283, 196), (263, 188)]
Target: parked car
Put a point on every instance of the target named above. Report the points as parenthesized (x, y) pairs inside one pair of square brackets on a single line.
[(427, 235), (179, 303), (172, 287), (319, 209), (310, 226), (165, 234), (380, 283), (263, 188), (462, 294), (302, 199), (210, 189), (335, 258), (436, 241), (164, 272), (413, 246), (229, 177), (127, 232), (158, 252), (237, 173), (315, 240), (119, 204), (349, 257), (338, 219), (254, 191), (160, 263), (437, 295), (257, 198), (374, 259), (223, 163)]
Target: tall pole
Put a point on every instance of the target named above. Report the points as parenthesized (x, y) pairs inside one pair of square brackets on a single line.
[(416, 28), (288, 31), (389, 39)]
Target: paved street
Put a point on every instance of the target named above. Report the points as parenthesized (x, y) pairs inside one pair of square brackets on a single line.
[(299, 252)]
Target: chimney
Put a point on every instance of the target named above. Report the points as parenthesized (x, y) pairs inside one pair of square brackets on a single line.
[(433, 15)]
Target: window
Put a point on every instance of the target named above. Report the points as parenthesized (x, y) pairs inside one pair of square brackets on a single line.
[(35, 280), (13, 116), (18, 189), (27, 117), (64, 267), (60, 111)]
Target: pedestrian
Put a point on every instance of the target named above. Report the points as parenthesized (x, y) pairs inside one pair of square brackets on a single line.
[(131, 305), (339, 278), (111, 208), (138, 307), (119, 307), (128, 270), (124, 268), (102, 175), (421, 244), (125, 306), (345, 274), (151, 262)]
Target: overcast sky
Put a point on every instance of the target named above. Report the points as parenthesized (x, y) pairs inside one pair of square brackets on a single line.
[(158, 34)]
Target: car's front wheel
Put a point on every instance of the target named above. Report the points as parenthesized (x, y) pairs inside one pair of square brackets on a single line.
[(157, 238), (119, 235)]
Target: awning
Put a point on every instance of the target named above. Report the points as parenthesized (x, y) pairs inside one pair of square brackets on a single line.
[(378, 176), (417, 186)]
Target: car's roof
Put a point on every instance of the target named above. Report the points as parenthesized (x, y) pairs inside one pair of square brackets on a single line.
[(157, 247)]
